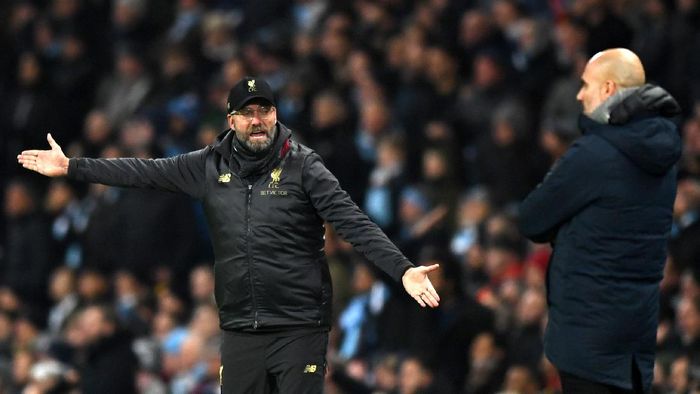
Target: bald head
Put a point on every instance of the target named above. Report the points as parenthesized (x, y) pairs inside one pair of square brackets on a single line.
[(606, 73), (620, 65)]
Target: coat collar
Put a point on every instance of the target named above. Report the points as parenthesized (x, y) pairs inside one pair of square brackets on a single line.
[(224, 141)]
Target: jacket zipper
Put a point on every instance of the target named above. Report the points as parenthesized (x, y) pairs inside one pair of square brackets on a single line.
[(249, 196)]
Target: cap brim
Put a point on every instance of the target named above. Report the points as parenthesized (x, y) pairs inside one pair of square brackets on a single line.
[(249, 99)]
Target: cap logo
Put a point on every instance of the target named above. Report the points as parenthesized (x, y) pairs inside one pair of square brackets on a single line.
[(251, 86)]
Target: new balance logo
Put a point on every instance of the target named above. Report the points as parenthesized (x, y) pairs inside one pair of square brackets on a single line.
[(310, 368), (225, 178)]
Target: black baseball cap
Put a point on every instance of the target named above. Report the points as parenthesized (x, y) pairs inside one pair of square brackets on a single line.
[(247, 89)]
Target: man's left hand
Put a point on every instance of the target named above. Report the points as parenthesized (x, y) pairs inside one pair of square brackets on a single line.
[(415, 281)]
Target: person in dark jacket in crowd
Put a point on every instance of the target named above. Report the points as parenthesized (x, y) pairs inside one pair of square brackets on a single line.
[(108, 363), (25, 267), (266, 198), (606, 206)]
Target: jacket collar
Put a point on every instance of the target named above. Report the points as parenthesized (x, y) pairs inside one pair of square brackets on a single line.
[(224, 141), (634, 104), (586, 124)]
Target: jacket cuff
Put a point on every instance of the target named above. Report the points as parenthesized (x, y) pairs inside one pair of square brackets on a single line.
[(401, 269), (73, 168)]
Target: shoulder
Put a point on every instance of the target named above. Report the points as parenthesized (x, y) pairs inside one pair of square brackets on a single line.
[(653, 122), (301, 149), (303, 153), (589, 149), (587, 158), (202, 154), (207, 150)]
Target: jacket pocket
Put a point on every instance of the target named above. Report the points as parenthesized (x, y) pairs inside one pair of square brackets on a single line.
[(232, 288)]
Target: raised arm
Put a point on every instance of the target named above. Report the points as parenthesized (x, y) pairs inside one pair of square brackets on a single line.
[(335, 206), (183, 173)]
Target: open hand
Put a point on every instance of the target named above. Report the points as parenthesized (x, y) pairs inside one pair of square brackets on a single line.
[(46, 162), (415, 281)]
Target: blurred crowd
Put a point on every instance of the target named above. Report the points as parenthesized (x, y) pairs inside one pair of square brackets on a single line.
[(437, 116)]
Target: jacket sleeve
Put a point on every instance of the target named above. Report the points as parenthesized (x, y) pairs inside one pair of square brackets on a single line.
[(183, 173), (334, 205), (569, 187)]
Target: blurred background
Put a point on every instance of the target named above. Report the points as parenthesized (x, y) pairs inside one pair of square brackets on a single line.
[(437, 116)]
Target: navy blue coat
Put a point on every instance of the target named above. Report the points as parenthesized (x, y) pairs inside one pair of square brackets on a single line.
[(606, 205)]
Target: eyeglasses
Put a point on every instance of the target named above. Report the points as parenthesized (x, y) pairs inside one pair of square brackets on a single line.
[(263, 111)]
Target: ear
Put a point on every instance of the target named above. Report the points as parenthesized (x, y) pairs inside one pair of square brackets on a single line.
[(229, 119), (609, 88)]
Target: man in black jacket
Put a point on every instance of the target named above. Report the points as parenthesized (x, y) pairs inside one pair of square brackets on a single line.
[(607, 205), (266, 198)]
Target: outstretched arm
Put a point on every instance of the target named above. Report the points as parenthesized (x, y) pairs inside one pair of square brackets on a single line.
[(51, 162), (183, 173), (418, 285), (334, 205)]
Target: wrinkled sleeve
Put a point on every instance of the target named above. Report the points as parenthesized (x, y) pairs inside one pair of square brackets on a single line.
[(183, 173), (571, 185), (335, 206)]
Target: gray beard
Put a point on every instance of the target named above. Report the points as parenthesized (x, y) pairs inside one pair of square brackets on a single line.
[(258, 147)]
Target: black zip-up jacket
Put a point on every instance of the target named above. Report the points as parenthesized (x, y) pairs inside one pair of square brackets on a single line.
[(267, 232)]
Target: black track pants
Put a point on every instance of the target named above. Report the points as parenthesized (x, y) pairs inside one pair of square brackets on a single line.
[(273, 363)]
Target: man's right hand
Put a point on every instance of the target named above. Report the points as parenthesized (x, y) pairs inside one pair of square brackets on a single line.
[(46, 162)]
